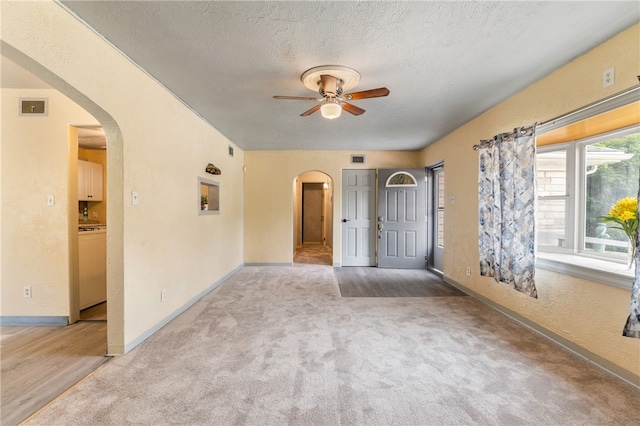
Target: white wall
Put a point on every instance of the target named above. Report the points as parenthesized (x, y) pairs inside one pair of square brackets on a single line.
[(157, 147)]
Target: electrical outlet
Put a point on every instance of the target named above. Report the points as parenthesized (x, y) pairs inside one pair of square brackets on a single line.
[(608, 77), (468, 271), (26, 291), (163, 295)]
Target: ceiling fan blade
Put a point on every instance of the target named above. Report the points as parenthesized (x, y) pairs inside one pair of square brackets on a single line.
[(295, 98), (310, 111), (366, 94), (352, 109)]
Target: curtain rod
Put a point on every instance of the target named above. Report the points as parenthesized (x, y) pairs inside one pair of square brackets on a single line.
[(563, 117), (515, 132)]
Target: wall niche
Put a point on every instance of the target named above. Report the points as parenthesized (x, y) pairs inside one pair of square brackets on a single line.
[(208, 196)]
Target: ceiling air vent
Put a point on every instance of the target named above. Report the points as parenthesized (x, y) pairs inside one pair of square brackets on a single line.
[(357, 159), (33, 106), (230, 151)]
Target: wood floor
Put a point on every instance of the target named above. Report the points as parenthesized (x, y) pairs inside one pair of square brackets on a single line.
[(314, 254), (40, 363), (95, 313), (381, 282)]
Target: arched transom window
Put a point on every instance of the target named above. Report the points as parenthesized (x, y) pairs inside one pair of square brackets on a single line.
[(401, 179)]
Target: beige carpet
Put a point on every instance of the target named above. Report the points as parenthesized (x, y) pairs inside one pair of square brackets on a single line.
[(278, 346)]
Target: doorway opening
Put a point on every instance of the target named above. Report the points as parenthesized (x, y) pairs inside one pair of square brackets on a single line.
[(313, 218), (92, 222)]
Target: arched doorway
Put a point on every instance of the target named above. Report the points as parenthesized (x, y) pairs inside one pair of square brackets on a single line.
[(313, 218), (114, 185)]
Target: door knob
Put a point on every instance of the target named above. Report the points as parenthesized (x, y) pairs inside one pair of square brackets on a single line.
[(345, 220)]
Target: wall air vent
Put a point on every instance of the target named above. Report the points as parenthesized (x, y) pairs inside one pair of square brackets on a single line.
[(33, 106), (357, 159), (230, 151)]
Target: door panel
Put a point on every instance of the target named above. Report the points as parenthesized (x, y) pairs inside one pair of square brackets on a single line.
[(358, 217), (401, 221)]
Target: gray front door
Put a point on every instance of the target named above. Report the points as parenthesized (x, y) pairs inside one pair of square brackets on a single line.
[(358, 218), (401, 219)]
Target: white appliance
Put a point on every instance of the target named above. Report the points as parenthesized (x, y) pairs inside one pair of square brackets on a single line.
[(92, 261)]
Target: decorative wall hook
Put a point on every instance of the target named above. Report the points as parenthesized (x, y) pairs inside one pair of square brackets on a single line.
[(213, 169)]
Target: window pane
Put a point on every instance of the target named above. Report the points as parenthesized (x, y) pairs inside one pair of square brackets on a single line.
[(401, 179), (551, 222), (552, 173), (611, 173)]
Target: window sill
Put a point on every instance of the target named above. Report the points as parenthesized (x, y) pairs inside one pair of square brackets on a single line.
[(601, 271)]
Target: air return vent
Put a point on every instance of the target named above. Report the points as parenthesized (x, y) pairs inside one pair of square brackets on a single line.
[(33, 106), (357, 159)]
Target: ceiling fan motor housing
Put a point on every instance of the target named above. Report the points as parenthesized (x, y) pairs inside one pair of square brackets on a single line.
[(330, 86)]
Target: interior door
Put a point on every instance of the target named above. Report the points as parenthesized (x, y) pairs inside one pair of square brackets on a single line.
[(358, 218), (401, 219), (312, 201)]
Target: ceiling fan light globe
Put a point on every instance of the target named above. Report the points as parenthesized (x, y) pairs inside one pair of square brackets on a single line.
[(331, 110)]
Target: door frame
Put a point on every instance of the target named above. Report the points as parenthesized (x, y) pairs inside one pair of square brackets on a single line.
[(431, 218)]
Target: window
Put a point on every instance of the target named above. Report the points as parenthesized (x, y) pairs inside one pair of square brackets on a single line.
[(401, 179), (580, 181)]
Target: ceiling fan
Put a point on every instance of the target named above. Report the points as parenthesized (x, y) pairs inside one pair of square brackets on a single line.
[(331, 81)]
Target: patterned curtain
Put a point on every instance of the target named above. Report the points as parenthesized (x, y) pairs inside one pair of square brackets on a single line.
[(507, 197), (632, 327)]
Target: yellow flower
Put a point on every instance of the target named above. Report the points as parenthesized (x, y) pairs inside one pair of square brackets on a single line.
[(625, 214), (625, 209)]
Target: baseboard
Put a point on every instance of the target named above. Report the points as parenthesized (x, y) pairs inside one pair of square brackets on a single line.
[(606, 365), (268, 264), (135, 342), (44, 321)]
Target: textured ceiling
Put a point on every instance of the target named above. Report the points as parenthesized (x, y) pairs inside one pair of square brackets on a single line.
[(444, 62)]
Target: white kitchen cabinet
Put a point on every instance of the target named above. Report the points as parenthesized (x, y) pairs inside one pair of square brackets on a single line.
[(92, 265), (90, 181)]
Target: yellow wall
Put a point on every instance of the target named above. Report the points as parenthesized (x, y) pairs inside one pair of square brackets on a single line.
[(269, 195), (586, 313), (157, 147), (36, 238)]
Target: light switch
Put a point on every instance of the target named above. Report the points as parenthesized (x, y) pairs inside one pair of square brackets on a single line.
[(134, 198), (51, 200)]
